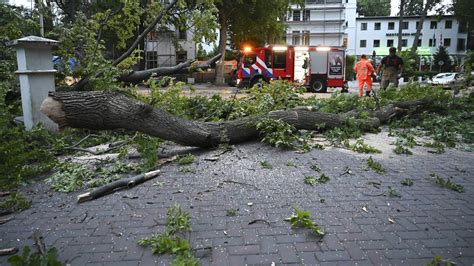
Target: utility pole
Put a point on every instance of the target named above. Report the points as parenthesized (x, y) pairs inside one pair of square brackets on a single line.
[(400, 24)]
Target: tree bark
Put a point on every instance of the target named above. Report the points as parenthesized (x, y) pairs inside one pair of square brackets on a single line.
[(112, 110), (139, 76), (420, 25), (220, 80), (400, 25)]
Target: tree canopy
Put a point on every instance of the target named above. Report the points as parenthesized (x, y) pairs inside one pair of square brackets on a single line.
[(371, 8)]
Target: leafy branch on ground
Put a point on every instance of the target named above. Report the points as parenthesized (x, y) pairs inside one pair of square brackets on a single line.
[(302, 219), (14, 202), (231, 212), (70, 177), (178, 223), (361, 147), (280, 134), (447, 183), (35, 259), (407, 182), (375, 166), (311, 180), (439, 261), (186, 159), (266, 165), (393, 193)]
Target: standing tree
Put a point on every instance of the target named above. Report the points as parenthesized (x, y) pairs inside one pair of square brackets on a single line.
[(253, 22), (442, 60), (429, 5), (88, 36), (413, 7), (400, 24), (371, 8), (463, 10)]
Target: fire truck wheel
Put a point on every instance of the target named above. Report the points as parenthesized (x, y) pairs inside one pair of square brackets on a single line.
[(318, 85), (257, 82)]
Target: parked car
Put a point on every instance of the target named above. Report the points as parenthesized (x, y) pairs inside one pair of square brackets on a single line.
[(447, 79)]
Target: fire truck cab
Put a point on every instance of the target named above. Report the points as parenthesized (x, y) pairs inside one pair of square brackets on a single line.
[(315, 67)]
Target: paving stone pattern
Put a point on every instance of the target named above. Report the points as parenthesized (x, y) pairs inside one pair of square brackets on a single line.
[(428, 220)]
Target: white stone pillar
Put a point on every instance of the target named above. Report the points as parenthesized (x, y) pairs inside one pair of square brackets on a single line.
[(36, 74)]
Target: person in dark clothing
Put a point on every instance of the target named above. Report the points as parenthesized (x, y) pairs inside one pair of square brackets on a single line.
[(392, 66)]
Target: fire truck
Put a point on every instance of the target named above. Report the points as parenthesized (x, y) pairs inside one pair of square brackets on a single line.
[(316, 67)]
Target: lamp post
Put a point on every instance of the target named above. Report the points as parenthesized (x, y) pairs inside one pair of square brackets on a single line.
[(36, 75)]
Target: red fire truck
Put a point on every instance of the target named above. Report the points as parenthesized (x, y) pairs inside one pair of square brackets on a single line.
[(314, 66)]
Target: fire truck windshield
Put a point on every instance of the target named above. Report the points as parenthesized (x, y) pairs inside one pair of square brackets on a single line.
[(249, 59)]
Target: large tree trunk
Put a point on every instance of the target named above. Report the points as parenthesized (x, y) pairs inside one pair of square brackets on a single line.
[(420, 25), (400, 25), (112, 110), (220, 80)]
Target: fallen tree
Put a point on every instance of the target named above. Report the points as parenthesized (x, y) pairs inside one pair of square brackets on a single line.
[(142, 75), (113, 110)]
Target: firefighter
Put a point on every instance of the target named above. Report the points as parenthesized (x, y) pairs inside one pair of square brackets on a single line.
[(364, 71), (392, 69)]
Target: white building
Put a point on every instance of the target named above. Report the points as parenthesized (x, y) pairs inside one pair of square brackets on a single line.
[(380, 33), (169, 47), (322, 22)]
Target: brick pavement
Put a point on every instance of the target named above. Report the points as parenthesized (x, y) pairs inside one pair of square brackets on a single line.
[(428, 220)]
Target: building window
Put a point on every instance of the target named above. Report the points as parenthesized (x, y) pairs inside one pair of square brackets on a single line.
[(296, 15), (404, 42), (462, 27), (363, 43), (389, 43), (151, 59), (279, 59), (181, 56), (432, 43), (419, 42), (377, 26), (182, 34), (296, 38), (391, 25), (418, 24), (433, 25), (306, 37), (461, 44), (405, 25), (448, 24), (307, 15), (447, 42), (363, 26), (376, 43)]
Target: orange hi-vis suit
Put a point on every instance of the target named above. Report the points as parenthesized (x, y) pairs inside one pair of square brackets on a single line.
[(364, 71)]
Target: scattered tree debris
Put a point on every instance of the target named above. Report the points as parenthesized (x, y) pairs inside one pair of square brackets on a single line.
[(259, 221), (392, 193), (347, 171), (301, 218), (178, 223), (239, 183), (8, 251), (231, 212), (119, 184), (407, 182), (186, 159), (448, 183), (375, 166), (6, 219), (266, 165)]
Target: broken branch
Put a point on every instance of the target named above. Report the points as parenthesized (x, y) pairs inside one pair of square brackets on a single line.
[(116, 185)]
